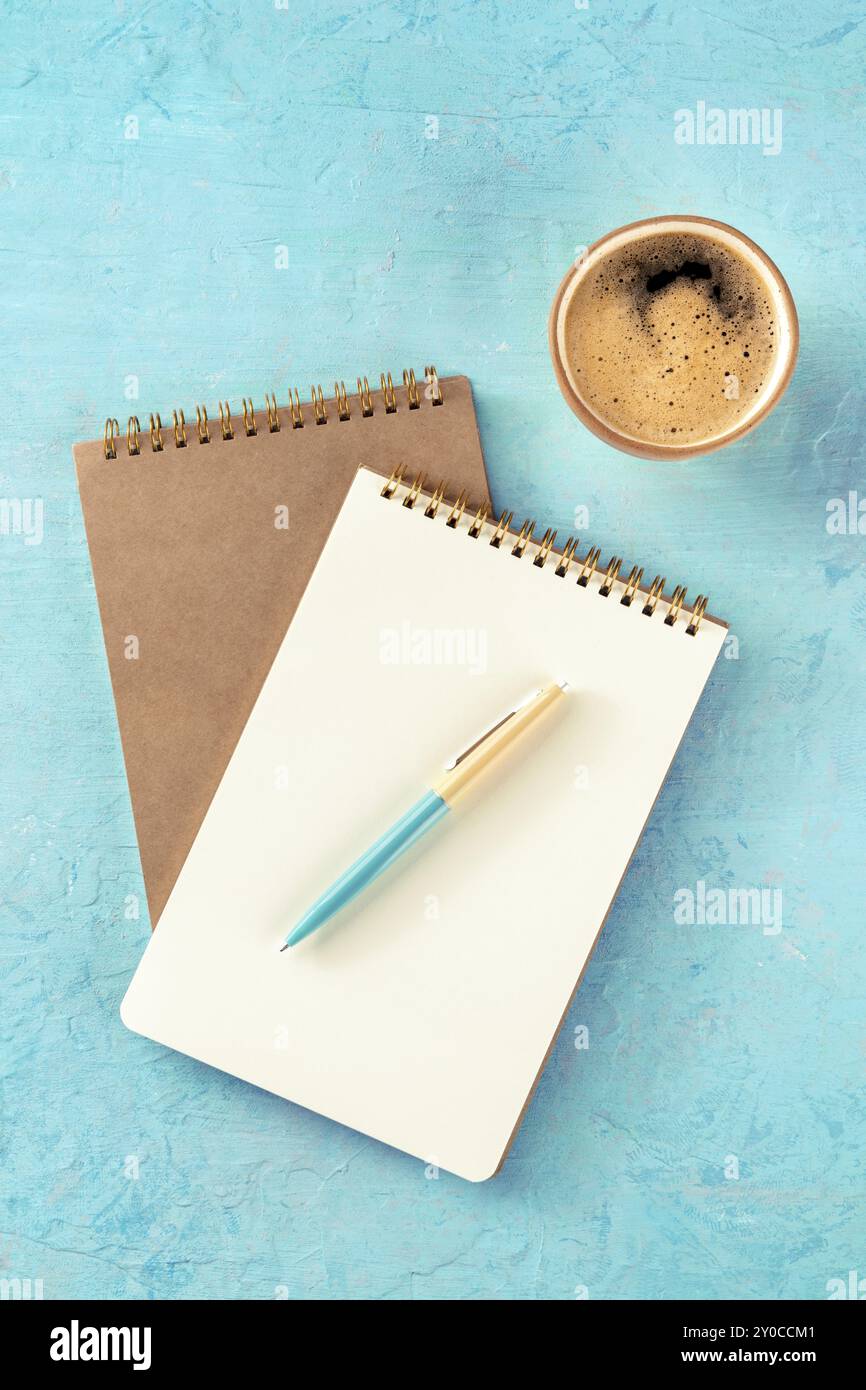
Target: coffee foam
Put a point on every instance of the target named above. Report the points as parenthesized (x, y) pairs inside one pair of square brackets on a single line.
[(672, 338)]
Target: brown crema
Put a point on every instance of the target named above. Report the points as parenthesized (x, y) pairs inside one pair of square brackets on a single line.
[(671, 338)]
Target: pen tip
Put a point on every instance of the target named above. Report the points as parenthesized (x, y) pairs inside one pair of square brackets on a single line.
[(284, 948), (563, 685)]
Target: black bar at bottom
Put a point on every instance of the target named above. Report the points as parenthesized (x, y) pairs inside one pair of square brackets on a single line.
[(146, 1338)]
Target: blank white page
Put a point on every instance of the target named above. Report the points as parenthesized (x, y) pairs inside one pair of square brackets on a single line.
[(423, 1013)]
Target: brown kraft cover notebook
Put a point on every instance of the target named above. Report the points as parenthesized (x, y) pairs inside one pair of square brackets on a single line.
[(202, 538)]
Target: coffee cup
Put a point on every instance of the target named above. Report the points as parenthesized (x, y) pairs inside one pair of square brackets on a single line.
[(673, 337)]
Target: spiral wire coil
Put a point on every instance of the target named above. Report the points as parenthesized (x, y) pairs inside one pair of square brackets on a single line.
[(342, 402), (500, 536)]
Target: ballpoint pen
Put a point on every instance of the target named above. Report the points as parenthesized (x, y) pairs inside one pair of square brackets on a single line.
[(455, 781)]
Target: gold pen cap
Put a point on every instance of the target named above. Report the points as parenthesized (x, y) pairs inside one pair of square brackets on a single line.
[(478, 757)]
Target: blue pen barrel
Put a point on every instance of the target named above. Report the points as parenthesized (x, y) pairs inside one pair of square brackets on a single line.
[(395, 841)]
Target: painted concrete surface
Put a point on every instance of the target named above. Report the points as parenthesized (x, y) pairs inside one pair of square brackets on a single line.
[(205, 200)]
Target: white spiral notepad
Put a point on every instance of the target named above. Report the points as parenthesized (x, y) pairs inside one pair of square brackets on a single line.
[(423, 1014)]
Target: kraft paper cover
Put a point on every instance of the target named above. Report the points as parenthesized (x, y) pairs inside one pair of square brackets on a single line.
[(198, 578)]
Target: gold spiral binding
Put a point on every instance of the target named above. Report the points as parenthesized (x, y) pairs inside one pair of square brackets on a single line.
[(610, 576), (631, 586), (342, 401), (568, 555), (365, 397), (435, 501), (544, 548), (656, 590), (569, 550), (433, 389), (698, 612), (389, 393), (589, 565), (477, 525), (342, 404), (412, 495), (319, 408), (226, 425), (394, 481), (501, 527), (109, 438), (523, 539), (675, 605), (273, 413), (411, 390), (250, 426), (454, 516), (179, 429)]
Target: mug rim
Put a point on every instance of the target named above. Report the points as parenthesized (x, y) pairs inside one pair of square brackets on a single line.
[(653, 450)]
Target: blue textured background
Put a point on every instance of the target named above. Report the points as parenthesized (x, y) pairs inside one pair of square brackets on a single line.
[(155, 257)]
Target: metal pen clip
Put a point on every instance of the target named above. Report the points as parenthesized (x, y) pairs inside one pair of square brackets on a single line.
[(493, 728)]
